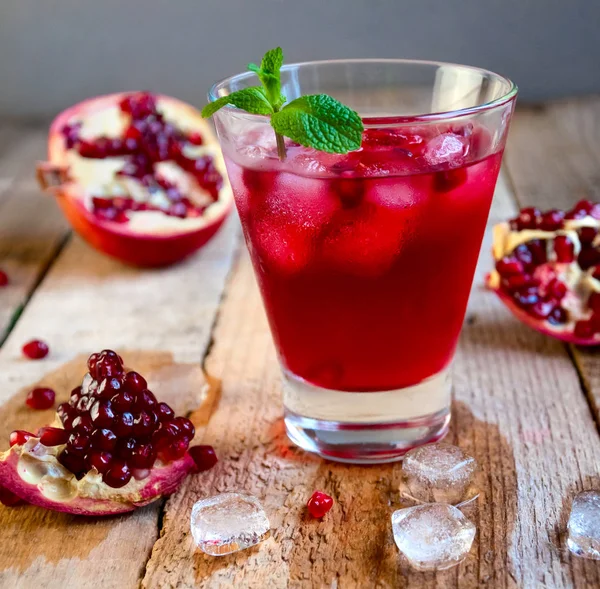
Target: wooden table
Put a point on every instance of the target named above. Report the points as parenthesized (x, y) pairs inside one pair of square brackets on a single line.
[(526, 406)]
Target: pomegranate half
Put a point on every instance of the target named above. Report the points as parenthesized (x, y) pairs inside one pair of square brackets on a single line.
[(139, 176), (547, 271), (113, 447)]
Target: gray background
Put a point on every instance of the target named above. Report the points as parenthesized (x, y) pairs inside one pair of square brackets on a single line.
[(56, 52)]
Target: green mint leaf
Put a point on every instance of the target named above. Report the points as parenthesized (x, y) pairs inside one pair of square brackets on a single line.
[(321, 122), (268, 74), (254, 68), (272, 61), (252, 100)]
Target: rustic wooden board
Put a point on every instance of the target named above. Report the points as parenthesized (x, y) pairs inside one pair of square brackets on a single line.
[(553, 159), (85, 303), (32, 228), (518, 408)]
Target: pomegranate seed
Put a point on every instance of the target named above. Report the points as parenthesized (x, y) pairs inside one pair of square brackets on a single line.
[(558, 316), (102, 414), (99, 460), (175, 450), (143, 456), (92, 361), (67, 415), (204, 457), (78, 443), (583, 329), (40, 398), (83, 423), (108, 364), (109, 388), (36, 349), (523, 254), (103, 439), (164, 412), (527, 219), (75, 396), (74, 463), (509, 266), (144, 400), (123, 402), (588, 257), (123, 425), (541, 309), (53, 436), (19, 437), (525, 298), (552, 220), (186, 427), (134, 382), (556, 289), (85, 403), (195, 138), (587, 235), (9, 499), (594, 302), (144, 423), (165, 434), (519, 281), (539, 252), (3, 279), (595, 210), (118, 475), (563, 247), (126, 447), (319, 504)]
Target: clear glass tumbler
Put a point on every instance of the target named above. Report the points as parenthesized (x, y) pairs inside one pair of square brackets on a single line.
[(365, 260)]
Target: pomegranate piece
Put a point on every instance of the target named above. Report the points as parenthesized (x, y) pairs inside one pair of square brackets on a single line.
[(9, 499), (204, 457), (3, 279), (113, 426), (40, 398), (319, 504), (543, 290), (36, 349)]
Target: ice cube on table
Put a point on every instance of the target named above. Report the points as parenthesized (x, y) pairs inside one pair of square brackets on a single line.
[(227, 523), (584, 525), (438, 472), (432, 536)]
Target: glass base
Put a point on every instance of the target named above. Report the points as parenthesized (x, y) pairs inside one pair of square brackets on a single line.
[(366, 428)]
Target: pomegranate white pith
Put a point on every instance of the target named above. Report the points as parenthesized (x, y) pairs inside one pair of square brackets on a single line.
[(547, 271), (155, 216)]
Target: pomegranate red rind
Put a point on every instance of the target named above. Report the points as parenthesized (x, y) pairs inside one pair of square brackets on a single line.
[(148, 240)]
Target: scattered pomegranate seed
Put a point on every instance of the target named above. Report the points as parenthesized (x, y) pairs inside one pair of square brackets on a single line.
[(3, 279), (319, 504), (9, 499), (40, 398), (53, 436), (36, 349), (19, 437), (204, 457)]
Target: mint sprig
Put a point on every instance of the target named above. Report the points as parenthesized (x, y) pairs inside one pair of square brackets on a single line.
[(318, 120)]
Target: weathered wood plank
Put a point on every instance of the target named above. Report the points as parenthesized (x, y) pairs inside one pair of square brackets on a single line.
[(85, 303), (518, 408), (553, 159), (32, 228)]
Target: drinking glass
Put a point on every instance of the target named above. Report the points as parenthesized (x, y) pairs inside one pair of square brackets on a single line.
[(365, 260)]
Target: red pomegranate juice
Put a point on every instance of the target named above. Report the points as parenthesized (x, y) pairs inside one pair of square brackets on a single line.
[(365, 261)]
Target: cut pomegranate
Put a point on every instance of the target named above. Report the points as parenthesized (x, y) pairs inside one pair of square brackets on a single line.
[(36, 349), (547, 270), (3, 279), (152, 194), (319, 504), (118, 447), (40, 398)]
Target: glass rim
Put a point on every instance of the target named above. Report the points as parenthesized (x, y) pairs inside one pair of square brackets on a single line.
[(509, 95)]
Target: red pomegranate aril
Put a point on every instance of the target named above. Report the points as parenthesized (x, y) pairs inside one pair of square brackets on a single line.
[(523, 254), (3, 279), (78, 443), (164, 412), (118, 475), (9, 499), (195, 138), (67, 415), (36, 349), (144, 400), (73, 462), (143, 456), (75, 396), (583, 329), (525, 299), (103, 439), (134, 382), (109, 387), (186, 427), (84, 404), (556, 290), (144, 423), (175, 450), (108, 364), (541, 309), (40, 398), (19, 437), (558, 316), (102, 414), (519, 281), (123, 424), (53, 436), (83, 423), (122, 402), (166, 432), (588, 257), (552, 220), (509, 266), (587, 235), (563, 247), (319, 504), (99, 460), (126, 447), (204, 457), (538, 250), (527, 219)]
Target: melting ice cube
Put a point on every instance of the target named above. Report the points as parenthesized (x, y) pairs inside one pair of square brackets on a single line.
[(584, 525)]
